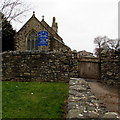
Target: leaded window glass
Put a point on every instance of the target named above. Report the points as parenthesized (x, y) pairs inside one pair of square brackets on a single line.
[(32, 41)]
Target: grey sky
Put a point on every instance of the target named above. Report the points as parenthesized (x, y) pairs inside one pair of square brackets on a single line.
[(79, 21)]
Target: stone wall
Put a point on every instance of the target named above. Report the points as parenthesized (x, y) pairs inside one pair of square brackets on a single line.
[(110, 68), (82, 103), (110, 71), (39, 66), (56, 66), (56, 45)]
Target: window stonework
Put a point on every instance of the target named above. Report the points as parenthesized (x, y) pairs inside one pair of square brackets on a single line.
[(28, 44), (32, 41)]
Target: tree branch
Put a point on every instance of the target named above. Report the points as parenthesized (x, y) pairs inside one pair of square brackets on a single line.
[(10, 9)]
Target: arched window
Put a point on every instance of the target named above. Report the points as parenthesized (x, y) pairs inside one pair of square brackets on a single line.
[(32, 44), (36, 45), (28, 44), (32, 41)]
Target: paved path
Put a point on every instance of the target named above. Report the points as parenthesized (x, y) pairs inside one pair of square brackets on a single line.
[(108, 95)]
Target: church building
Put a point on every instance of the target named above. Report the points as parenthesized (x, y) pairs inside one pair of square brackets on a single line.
[(27, 38)]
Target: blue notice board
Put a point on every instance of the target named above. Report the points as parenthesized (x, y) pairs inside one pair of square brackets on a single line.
[(42, 42), (42, 38)]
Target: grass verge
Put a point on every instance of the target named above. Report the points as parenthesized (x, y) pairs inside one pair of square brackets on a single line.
[(33, 99)]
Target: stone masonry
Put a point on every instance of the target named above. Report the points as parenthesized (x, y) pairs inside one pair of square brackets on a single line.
[(27, 37), (83, 104), (39, 66), (55, 67), (110, 70)]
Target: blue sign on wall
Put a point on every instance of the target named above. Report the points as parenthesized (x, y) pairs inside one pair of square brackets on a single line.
[(42, 42), (43, 34), (42, 38)]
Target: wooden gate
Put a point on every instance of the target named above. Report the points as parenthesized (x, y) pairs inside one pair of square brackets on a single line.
[(88, 68)]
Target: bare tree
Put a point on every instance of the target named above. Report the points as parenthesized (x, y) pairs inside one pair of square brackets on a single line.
[(12, 9), (101, 43), (98, 40), (106, 47), (113, 44), (104, 44)]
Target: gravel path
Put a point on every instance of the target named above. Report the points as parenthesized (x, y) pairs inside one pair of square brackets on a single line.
[(108, 95), (82, 103)]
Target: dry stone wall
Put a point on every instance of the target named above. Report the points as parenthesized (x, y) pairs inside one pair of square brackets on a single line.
[(82, 103), (39, 66), (110, 72), (53, 66), (110, 69)]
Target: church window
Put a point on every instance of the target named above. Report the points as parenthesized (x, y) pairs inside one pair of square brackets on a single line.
[(32, 41), (28, 45), (36, 46), (32, 44)]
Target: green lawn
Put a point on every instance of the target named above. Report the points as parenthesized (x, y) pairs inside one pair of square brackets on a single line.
[(33, 99)]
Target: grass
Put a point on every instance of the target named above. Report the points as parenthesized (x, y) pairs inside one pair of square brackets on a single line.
[(33, 99)]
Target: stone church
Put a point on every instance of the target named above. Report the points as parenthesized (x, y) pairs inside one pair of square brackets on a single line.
[(27, 37)]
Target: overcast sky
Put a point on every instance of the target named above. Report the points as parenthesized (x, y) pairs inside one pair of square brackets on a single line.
[(79, 21)]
